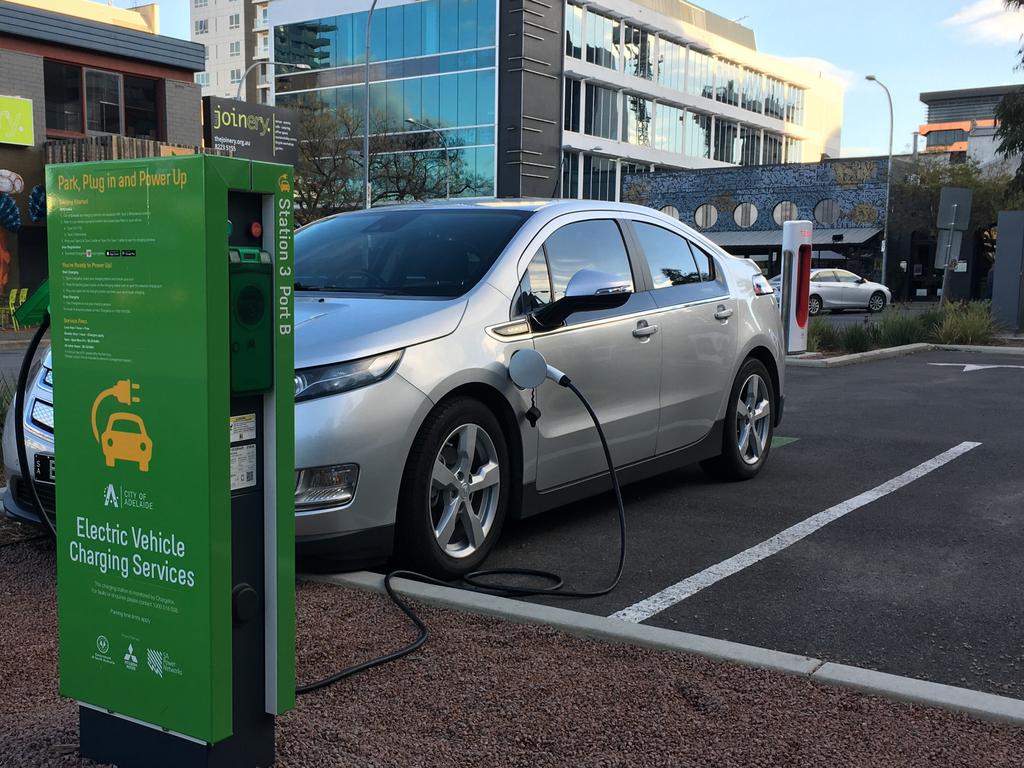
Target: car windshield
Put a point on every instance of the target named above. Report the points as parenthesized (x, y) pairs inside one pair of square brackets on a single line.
[(409, 252)]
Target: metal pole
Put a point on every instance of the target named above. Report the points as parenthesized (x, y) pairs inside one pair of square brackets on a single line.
[(888, 183), (366, 108), (947, 264), (447, 158)]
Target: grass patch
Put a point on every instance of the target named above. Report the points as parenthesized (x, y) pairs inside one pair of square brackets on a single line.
[(969, 323), (898, 327), (858, 338)]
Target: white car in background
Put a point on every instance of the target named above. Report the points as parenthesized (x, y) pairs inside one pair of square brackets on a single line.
[(839, 289)]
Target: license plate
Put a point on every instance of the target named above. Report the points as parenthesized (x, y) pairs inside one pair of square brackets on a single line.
[(45, 468)]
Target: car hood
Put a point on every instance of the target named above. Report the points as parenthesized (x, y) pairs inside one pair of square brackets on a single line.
[(333, 329)]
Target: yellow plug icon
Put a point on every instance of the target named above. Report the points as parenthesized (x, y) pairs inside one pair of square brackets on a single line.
[(122, 392), (125, 437)]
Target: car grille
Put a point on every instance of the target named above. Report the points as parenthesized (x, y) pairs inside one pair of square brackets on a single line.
[(22, 494)]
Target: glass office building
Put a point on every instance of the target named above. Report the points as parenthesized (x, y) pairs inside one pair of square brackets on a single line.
[(432, 62)]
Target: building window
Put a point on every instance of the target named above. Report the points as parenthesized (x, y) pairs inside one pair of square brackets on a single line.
[(102, 101), (602, 112), (236, 76), (751, 97), (63, 93), (671, 65), (602, 40), (700, 78), (668, 129), (727, 83), (599, 181), (234, 21), (636, 121), (945, 137), (671, 210), (573, 31), (637, 52), (202, 79), (571, 119), (794, 105), (826, 212), (794, 151), (201, 26), (750, 145), (745, 215), (200, 3), (140, 115), (785, 211), (772, 149), (726, 139), (235, 49), (570, 174), (706, 216), (698, 135), (774, 98)]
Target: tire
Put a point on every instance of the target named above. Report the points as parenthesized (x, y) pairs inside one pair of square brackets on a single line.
[(814, 305), (877, 302), (461, 544), (743, 457)]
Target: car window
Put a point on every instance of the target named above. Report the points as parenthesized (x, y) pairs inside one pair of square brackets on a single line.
[(846, 277), (596, 245), (824, 276), (403, 251), (668, 255), (705, 264)]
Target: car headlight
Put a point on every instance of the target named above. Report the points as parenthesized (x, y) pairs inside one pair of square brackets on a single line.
[(342, 377)]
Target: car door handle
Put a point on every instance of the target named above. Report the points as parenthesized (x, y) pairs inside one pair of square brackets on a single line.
[(723, 312), (643, 331)]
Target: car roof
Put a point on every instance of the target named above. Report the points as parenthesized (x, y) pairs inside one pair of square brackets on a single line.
[(556, 206)]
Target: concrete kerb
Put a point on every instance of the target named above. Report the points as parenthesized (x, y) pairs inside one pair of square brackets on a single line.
[(891, 352), (985, 706)]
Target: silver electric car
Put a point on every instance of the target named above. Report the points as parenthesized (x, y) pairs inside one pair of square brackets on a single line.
[(410, 437)]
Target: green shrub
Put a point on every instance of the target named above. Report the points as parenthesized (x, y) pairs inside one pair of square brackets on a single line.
[(898, 327), (858, 338), (822, 335), (931, 319), (967, 323)]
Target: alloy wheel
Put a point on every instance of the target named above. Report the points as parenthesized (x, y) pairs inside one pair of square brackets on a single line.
[(876, 302), (814, 307), (464, 490), (753, 419)]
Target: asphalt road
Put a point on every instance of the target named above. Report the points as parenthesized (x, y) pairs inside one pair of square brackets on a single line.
[(924, 581)]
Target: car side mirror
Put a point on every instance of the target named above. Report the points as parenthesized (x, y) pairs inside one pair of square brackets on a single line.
[(861, 280), (589, 290)]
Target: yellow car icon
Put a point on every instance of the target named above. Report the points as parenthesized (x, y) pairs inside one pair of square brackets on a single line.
[(132, 444)]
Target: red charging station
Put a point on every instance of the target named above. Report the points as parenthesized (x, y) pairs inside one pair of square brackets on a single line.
[(796, 283)]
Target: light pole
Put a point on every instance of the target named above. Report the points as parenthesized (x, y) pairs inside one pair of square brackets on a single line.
[(366, 109), (251, 67), (888, 183), (447, 158)]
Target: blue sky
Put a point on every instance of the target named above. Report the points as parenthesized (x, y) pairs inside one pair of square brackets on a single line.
[(911, 45)]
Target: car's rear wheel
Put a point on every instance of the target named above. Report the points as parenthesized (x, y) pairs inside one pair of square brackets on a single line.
[(454, 491), (877, 302), (749, 425), (814, 305)]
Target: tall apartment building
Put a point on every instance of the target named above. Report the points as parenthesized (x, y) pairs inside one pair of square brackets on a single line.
[(559, 98), (964, 120), (236, 35)]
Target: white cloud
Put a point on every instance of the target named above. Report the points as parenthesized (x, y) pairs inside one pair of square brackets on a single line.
[(847, 77), (987, 21)]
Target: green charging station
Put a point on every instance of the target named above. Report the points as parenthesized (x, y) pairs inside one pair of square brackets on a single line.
[(171, 303)]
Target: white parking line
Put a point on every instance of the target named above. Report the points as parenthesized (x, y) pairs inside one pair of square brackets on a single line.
[(688, 587)]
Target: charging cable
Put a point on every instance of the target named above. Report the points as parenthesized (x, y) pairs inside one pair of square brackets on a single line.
[(528, 370), (19, 423)]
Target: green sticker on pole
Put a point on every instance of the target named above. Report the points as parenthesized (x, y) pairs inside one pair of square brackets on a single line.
[(139, 276)]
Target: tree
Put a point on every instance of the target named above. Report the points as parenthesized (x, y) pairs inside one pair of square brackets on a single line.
[(404, 165), (1010, 114)]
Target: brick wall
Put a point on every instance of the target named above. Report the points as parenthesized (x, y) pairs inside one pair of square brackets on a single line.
[(23, 76), (183, 108)]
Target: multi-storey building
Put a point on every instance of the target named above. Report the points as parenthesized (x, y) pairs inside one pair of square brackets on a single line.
[(964, 121), (559, 98), (236, 35)]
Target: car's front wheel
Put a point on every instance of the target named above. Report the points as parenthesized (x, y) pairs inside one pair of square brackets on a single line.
[(454, 491), (814, 305), (877, 302), (749, 425)]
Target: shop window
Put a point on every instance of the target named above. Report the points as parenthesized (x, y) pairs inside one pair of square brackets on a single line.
[(140, 115), (745, 215), (785, 211), (671, 210), (826, 212), (63, 93), (706, 216), (102, 101), (97, 101)]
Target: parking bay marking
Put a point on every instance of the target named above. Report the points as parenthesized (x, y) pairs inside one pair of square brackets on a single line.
[(688, 587), (968, 367)]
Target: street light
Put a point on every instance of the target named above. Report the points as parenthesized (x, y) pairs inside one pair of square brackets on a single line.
[(251, 67), (447, 159), (888, 182), (366, 109)]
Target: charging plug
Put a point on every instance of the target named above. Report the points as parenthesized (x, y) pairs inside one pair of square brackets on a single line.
[(124, 390), (533, 415)]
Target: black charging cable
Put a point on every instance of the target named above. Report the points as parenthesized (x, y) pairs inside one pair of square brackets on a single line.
[(480, 581), (19, 423)]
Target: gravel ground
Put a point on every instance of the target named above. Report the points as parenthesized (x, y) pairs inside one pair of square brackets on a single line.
[(486, 692)]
